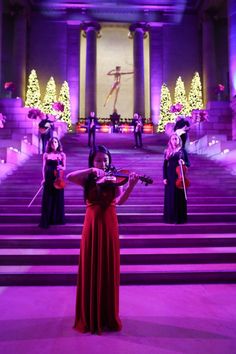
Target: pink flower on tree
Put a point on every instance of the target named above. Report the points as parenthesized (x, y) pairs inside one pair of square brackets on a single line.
[(35, 113), (58, 106), (176, 108)]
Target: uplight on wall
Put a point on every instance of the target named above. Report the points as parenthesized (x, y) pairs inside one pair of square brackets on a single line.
[(225, 151)]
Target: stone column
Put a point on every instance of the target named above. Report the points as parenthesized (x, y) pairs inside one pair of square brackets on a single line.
[(156, 70), (233, 107), (1, 24), (138, 31), (19, 52), (91, 29), (209, 58), (232, 46), (73, 68)]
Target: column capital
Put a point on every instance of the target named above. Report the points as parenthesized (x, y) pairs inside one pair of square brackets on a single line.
[(138, 27), (208, 15), (87, 26)]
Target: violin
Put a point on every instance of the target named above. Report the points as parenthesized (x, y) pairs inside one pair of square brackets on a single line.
[(120, 177), (182, 181), (59, 182)]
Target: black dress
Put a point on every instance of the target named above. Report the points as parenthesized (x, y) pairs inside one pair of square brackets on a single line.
[(52, 212), (175, 205)]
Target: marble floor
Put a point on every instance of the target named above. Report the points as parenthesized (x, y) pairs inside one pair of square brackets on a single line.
[(165, 319)]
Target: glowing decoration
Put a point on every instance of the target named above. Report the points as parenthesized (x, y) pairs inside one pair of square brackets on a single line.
[(50, 97), (64, 98), (33, 91), (165, 114), (105, 128), (180, 96), (148, 128), (195, 94)]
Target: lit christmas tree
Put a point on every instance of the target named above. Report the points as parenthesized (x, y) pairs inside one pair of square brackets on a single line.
[(165, 114), (33, 91), (64, 98), (195, 94), (50, 97), (180, 96)]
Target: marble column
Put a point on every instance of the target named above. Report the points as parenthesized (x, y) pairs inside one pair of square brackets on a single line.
[(232, 60), (209, 58), (73, 68), (1, 24), (91, 30), (232, 46), (156, 70), (138, 31), (233, 107), (19, 52)]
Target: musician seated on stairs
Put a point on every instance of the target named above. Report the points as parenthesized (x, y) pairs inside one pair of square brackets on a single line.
[(45, 130)]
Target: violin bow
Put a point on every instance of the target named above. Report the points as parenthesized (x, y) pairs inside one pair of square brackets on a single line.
[(182, 175), (35, 196)]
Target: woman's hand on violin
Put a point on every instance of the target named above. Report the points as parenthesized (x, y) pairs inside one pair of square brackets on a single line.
[(133, 179), (181, 161), (60, 167), (165, 181), (98, 172)]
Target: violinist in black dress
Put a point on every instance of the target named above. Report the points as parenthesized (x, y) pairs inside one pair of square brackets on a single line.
[(175, 203), (54, 162)]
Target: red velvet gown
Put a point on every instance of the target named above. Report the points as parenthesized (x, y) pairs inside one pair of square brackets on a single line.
[(97, 303)]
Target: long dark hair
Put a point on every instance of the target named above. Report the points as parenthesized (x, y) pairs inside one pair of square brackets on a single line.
[(91, 178), (49, 145), (99, 148)]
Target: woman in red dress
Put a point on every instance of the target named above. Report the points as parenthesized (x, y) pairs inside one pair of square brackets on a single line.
[(97, 303)]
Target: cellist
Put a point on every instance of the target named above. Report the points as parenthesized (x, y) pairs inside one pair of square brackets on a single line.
[(175, 201), (54, 162)]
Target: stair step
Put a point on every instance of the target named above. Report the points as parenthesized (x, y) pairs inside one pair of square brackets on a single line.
[(130, 275), (127, 256), (123, 218)]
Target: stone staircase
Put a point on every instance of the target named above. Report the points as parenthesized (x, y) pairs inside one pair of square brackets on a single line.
[(201, 251)]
